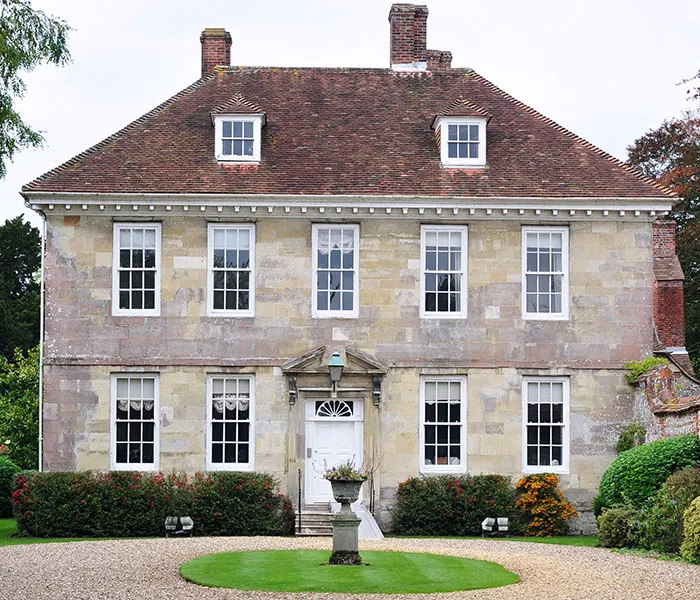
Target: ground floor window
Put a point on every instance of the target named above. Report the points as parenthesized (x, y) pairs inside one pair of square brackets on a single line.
[(230, 422), (443, 413), (545, 423), (134, 422)]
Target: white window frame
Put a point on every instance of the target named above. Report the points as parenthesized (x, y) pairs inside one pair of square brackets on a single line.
[(462, 313), (443, 123), (422, 467), (236, 466), (550, 316), (135, 312), (257, 121), (566, 426), (335, 314), (113, 464), (233, 312)]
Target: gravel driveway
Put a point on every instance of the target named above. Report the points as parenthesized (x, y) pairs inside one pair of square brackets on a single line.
[(148, 569)]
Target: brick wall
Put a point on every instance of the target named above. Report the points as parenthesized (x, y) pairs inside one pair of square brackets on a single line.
[(669, 318)]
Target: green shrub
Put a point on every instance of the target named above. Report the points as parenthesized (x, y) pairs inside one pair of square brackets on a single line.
[(8, 470), (664, 518), (632, 436), (132, 504), (637, 474), (450, 505), (620, 527), (637, 369), (546, 507), (690, 549)]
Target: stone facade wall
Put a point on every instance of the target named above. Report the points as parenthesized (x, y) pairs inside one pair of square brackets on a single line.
[(610, 324)]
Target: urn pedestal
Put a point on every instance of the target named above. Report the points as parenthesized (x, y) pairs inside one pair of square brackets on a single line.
[(345, 523)]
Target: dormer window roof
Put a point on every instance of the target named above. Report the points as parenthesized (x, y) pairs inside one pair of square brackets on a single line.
[(238, 131), (461, 131)]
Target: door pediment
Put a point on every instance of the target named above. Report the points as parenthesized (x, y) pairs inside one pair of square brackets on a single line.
[(315, 362)]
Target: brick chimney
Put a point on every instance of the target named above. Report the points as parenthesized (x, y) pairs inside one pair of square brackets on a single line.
[(409, 30), (669, 318), (216, 49)]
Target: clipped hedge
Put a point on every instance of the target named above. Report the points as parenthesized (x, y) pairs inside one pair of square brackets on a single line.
[(132, 504), (637, 474), (451, 505), (8, 471), (690, 549)]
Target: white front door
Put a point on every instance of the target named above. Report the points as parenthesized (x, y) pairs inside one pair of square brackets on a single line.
[(333, 436)]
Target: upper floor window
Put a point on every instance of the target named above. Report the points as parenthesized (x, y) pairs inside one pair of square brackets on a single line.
[(335, 270), (136, 269), (231, 273), (443, 424), (545, 293), (545, 425), (230, 422), (462, 141), (238, 137), (134, 422), (444, 271)]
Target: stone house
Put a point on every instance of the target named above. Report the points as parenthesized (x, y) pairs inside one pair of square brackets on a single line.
[(483, 273)]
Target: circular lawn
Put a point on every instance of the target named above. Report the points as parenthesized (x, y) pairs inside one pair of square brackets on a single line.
[(309, 571)]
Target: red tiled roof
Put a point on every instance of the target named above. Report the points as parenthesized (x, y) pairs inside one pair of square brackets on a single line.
[(463, 108), (238, 105), (346, 131)]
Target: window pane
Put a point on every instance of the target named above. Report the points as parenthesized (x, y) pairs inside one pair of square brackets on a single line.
[(464, 132), (452, 132), (238, 129), (227, 147), (227, 128), (238, 147), (248, 148), (473, 132), (248, 129), (452, 150)]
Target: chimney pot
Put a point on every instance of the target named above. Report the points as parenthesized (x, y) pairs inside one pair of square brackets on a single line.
[(216, 49)]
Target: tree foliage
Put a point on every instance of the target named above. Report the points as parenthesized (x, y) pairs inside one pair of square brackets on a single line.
[(28, 38), (671, 154), (20, 260), (19, 407)]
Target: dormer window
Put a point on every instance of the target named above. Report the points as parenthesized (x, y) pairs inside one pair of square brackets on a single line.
[(238, 137), (462, 141)]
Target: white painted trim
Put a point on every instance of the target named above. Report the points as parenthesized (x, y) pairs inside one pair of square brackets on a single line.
[(564, 314), (462, 314), (116, 311), (423, 468), (113, 464), (211, 311), (335, 314), (443, 123), (566, 434), (210, 466), (257, 121)]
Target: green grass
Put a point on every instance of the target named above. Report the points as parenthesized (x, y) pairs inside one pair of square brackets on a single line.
[(384, 572)]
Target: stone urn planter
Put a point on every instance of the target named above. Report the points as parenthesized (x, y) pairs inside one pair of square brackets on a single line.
[(345, 522)]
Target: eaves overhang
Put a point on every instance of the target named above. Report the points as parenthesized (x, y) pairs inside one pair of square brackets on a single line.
[(349, 206)]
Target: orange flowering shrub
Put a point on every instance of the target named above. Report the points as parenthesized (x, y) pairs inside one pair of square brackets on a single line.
[(545, 506)]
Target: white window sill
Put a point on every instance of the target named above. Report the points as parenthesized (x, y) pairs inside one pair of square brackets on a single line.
[(231, 314), (230, 467), (560, 470), (237, 160), (137, 313), (442, 469), (134, 467), (545, 317), (438, 316), (334, 315)]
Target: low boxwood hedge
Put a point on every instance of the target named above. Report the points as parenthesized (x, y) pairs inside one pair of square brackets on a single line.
[(132, 504), (451, 505), (637, 474)]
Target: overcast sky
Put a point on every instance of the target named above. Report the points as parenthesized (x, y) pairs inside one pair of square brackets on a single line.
[(606, 69)]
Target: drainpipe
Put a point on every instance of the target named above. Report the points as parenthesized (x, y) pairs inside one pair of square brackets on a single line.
[(41, 342)]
